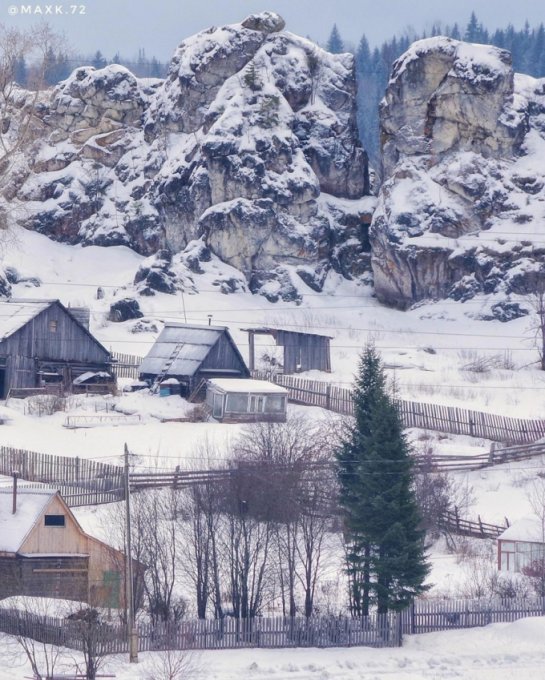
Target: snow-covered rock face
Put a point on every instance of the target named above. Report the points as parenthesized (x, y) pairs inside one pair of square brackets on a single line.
[(249, 146), (462, 206)]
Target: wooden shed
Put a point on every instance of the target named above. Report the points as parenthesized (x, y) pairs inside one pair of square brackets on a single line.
[(45, 552), (303, 351), (246, 401), (192, 355), (42, 343), (521, 544)]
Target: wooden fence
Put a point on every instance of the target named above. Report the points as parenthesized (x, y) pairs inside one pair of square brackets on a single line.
[(428, 616), (227, 633), (427, 416), (496, 456), (452, 523), (80, 481), (423, 616), (126, 365)]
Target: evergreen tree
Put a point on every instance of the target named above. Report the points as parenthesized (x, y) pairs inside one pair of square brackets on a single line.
[(98, 60), (335, 43), (472, 29), (251, 78), (385, 557), (20, 72)]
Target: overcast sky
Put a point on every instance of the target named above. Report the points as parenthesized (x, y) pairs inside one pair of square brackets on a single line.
[(159, 25)]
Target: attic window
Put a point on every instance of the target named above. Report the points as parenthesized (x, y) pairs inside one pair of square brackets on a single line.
[(53, 326), (54, 520)]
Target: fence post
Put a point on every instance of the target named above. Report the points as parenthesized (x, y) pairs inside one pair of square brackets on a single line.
[(328, 397)]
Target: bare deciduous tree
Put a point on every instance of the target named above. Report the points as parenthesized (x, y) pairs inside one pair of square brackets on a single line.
[(45, 655)]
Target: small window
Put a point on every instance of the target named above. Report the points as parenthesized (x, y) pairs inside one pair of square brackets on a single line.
[(53, 326), (54, 520)]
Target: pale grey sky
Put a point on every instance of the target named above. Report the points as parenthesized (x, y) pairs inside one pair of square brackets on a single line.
[(159, 25)]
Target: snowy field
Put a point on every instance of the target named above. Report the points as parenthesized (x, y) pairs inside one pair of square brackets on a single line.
[(495, 652), (441, 353)]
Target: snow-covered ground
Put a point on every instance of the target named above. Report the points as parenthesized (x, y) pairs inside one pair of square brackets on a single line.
[(435, 352)]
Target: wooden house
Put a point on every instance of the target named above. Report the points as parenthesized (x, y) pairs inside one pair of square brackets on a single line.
[(521, 544), (244, 401), (45, 552), (192, 355), (302, 351), (42, 343)]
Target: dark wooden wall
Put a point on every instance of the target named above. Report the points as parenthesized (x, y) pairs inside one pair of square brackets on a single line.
[(304, 352), (63, 577), (35, 341), (223, 355)]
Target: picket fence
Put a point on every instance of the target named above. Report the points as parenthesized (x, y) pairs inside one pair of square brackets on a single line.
[(226, 633), (80, 481), (428, 616), (424, 616), (423, 415)]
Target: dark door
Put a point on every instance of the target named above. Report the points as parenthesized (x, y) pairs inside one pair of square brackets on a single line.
[(2, 383)]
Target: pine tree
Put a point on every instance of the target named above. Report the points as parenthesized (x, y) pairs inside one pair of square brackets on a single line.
[(335, 43), (385, 557), (473, 29), (98, 60)]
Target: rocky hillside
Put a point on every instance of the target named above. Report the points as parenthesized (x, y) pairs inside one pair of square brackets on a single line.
[(462, 207), (248, 152)]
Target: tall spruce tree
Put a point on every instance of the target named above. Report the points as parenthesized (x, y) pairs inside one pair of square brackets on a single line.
[(335, 43), (385, 553)]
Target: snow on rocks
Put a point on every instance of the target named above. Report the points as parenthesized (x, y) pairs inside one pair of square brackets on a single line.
[(462, 206), (250, 121)]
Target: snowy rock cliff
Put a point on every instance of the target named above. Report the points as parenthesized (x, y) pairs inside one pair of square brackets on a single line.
[(247, 151), (462, 207)]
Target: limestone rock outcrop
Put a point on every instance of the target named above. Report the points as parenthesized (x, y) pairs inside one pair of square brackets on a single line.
[(462, 207), (248, 146)]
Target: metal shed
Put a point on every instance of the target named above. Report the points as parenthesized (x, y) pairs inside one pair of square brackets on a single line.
[(192, 354), (243, 401), (41, 343), (303, 351)]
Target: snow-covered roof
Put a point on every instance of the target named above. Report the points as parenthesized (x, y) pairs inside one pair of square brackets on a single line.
[(195, 341), (272, 330), (253, 386), (88, 375), (30, 505), (14, 315), (528, 529)]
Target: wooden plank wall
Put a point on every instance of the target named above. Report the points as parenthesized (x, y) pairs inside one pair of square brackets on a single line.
[(127, 365)]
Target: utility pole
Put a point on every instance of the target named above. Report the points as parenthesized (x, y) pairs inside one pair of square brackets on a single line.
[(129, 583)]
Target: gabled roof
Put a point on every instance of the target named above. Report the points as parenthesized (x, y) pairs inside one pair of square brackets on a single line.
[(196, 343), (15, 313), (30, 505)]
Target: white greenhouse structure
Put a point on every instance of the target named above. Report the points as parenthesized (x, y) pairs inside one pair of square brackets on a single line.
[(245, 401)]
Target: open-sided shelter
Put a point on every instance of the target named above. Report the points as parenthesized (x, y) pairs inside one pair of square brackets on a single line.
[(244, 401), (45, 552), (193, 354), (41, 343), (302, 351)]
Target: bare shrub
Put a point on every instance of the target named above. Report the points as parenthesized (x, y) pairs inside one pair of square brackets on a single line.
[(172, 664), (438, 493), (45, 405)]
